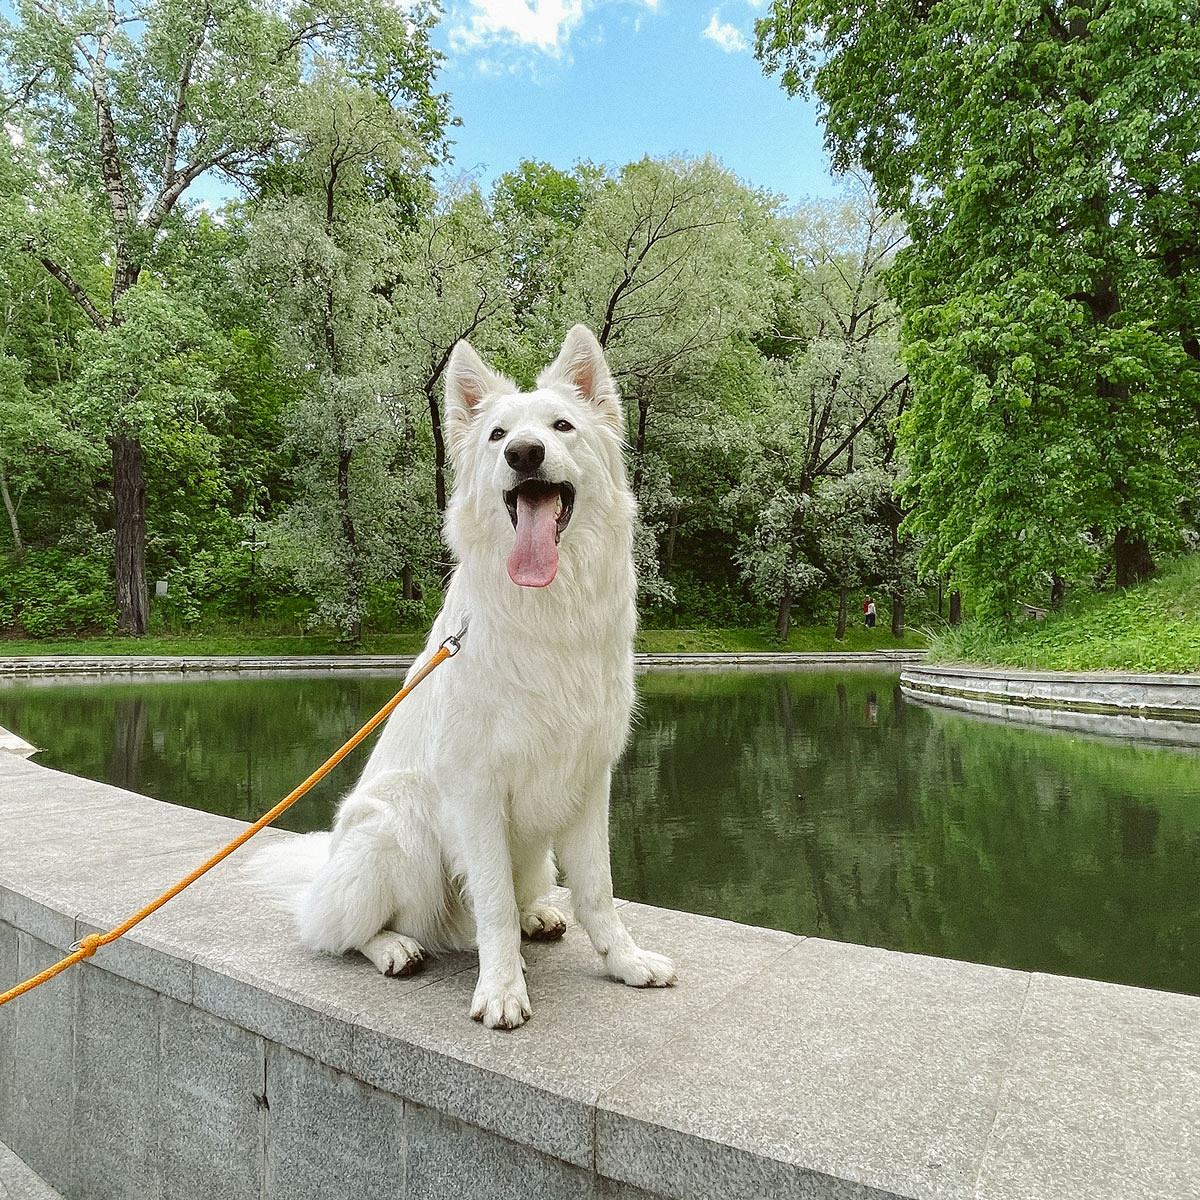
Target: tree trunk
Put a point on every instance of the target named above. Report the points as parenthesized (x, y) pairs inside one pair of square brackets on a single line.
[(1131, 553), (10, 508), (129, 502), (669, 552), (897, 615), (639, 446), (1058, 590), (406, 580), (439, 446), (783, 622), (843, 608), (956, 607), (350, 534)]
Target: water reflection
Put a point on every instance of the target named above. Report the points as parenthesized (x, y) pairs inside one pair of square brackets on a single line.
[(819, 802)]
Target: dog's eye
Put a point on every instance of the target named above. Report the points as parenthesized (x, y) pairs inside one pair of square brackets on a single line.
[(496, 434), (563, 426)]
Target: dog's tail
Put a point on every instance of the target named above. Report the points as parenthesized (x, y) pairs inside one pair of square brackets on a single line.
[(283, 869)]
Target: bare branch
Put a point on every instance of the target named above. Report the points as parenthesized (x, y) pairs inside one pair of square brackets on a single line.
[(74, 288)]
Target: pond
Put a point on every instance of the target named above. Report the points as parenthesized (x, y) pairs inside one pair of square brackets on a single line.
[(817, 801)]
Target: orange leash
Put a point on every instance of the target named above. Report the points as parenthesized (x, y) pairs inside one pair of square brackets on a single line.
[(88, 946)]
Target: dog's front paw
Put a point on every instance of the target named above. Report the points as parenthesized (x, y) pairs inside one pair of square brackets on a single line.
[(542, 923), (640, 968), (501, 1007)]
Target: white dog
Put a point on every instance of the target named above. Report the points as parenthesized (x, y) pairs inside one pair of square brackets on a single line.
[(502, 758)]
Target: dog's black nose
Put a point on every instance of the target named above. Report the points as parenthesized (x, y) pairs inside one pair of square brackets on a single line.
[(525, 456)]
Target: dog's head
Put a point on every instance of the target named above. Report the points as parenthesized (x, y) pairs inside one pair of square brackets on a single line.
[(528, 464)]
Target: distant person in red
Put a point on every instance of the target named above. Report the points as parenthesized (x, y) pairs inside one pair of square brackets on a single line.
[(869, 612)]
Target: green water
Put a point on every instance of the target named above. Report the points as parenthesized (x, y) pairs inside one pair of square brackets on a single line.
[(819, 802)]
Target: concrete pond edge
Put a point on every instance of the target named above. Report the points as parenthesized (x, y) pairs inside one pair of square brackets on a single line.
[(1146, 707), (205, 1054)]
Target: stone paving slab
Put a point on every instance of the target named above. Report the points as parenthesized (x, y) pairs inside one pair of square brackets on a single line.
[(19, 1182), (1101, 1098), (844, 1062)]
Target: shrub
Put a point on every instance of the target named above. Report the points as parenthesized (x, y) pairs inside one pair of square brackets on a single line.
[(49, 593)]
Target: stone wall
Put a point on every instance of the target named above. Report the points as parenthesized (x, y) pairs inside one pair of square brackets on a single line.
[(205, 1056)]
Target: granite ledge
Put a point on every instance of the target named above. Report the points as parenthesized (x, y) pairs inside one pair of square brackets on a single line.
[(800, 1066)]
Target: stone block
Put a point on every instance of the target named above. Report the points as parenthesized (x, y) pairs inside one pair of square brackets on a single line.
[(38, 916), (211, 1107), (133, 959), (538, 1084), (114, 1118), (328, 1136), (258, 975), (39, 1126), (1102, 1098), (19, 1182), (448, 1160), (877, 1069), (8, 1022)]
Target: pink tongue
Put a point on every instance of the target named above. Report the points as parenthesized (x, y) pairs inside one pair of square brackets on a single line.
[(534, 559)]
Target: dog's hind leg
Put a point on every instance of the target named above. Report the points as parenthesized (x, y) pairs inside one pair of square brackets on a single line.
[(534, 874), (381, 878)]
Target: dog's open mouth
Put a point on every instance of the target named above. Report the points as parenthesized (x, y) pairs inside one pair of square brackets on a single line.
[(539, 511)]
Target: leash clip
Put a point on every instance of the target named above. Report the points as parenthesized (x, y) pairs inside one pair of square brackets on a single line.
[(453, 644)]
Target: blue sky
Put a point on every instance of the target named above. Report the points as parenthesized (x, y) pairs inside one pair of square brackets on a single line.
[(614, 80)]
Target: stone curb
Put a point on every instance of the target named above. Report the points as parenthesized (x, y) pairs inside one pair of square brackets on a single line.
[(1124, 693), (205, 1054), (233, 665)]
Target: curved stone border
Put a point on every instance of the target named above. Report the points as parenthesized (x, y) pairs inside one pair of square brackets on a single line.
[(1097, 725), (11, 744), (231, 666), (205, 1055), (1161, 697)]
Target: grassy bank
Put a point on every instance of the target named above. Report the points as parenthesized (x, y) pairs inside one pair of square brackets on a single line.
[(650, 641), (1154, 627)]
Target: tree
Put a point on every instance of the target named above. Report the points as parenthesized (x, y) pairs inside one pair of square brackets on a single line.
[(131, 103), (41, 452), (852, 541), (837, 381), (327, 248), (540, 210), (1046, 158), (453, 284), (669, 263)]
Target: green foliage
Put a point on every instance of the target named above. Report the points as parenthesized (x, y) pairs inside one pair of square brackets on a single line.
[(1046, 158), (49, 593), (802, 639), (1152, 627)]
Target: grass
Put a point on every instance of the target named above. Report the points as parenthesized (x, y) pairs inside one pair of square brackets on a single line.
[(1153, 627), (812, 639), (223, 643), (650, 641)]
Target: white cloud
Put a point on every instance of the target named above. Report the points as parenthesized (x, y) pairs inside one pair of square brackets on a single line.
[(545, 25), (727, 36), (542, 24)]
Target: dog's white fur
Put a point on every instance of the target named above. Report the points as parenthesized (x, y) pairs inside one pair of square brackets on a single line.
[(502, 757)]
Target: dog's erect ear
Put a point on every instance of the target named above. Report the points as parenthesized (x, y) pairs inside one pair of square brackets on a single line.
[(468, 380), (581, 364)]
